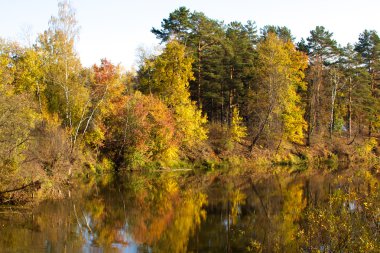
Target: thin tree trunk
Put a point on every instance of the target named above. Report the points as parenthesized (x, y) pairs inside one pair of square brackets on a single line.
[(222, 104), (229, 112), (82, 119), (350, 110), (199, 74), (93, 111), (39, 97), (230, 97), (333, 96), (262, 126), (67, 97), (317, 103), (310, 113), (35, 184), (370, 125), (88, 118)]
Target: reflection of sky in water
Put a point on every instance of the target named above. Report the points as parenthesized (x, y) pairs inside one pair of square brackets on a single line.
[(130, 248), (88, 244), (230, 219), (225, 224), (124, 241), (352, 206), (91, 249)]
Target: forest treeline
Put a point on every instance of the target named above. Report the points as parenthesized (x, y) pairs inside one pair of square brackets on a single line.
[(295, 91), (211, 88)]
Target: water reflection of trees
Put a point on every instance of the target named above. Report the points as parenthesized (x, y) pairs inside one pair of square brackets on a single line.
[(293, 213), (150, 212), (139, 213), (320, 212), (349, 221)]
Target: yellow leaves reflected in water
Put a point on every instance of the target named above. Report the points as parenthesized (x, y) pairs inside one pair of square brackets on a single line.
[(160, 213), (156, 214), (186, 220), (237, 199), (293, 206)]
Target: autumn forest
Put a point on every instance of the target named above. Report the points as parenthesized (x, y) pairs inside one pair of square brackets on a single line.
[(214, 88), (214, 96)]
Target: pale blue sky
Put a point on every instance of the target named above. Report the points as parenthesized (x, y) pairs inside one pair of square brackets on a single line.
[(115, 28)]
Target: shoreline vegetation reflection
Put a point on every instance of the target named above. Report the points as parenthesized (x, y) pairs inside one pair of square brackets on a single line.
[(183, 212)]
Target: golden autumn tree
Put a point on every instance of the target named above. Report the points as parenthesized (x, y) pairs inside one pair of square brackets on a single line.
[(65, 91), (294, 123), (18, 115), (170, 80), (237, 130), (280, 73)]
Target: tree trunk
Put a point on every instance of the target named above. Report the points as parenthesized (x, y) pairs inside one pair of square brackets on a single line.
[(230, 105), (314, 101), (333, 96), (230, 98), (310, 113), (262, 126), (316, 115), (222, 105), (39, 98), (35, 184), (349, 111), (199, 75), (370, 125)]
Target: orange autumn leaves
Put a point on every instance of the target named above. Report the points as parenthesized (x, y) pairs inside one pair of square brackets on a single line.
[(143, 130), (140, 129)]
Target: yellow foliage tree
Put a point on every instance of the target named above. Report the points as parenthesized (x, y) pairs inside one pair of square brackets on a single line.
[(280, 71), (171, 75), (237, 130)]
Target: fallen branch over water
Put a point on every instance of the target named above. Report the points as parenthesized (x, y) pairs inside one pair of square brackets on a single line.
[(35, 185)]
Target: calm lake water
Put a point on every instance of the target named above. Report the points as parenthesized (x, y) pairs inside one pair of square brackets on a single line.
[(169, 212)]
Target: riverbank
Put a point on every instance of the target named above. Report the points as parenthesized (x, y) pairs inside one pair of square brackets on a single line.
[(218, 156)]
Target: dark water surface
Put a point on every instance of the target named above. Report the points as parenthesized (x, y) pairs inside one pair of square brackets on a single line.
[(280, 212)]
